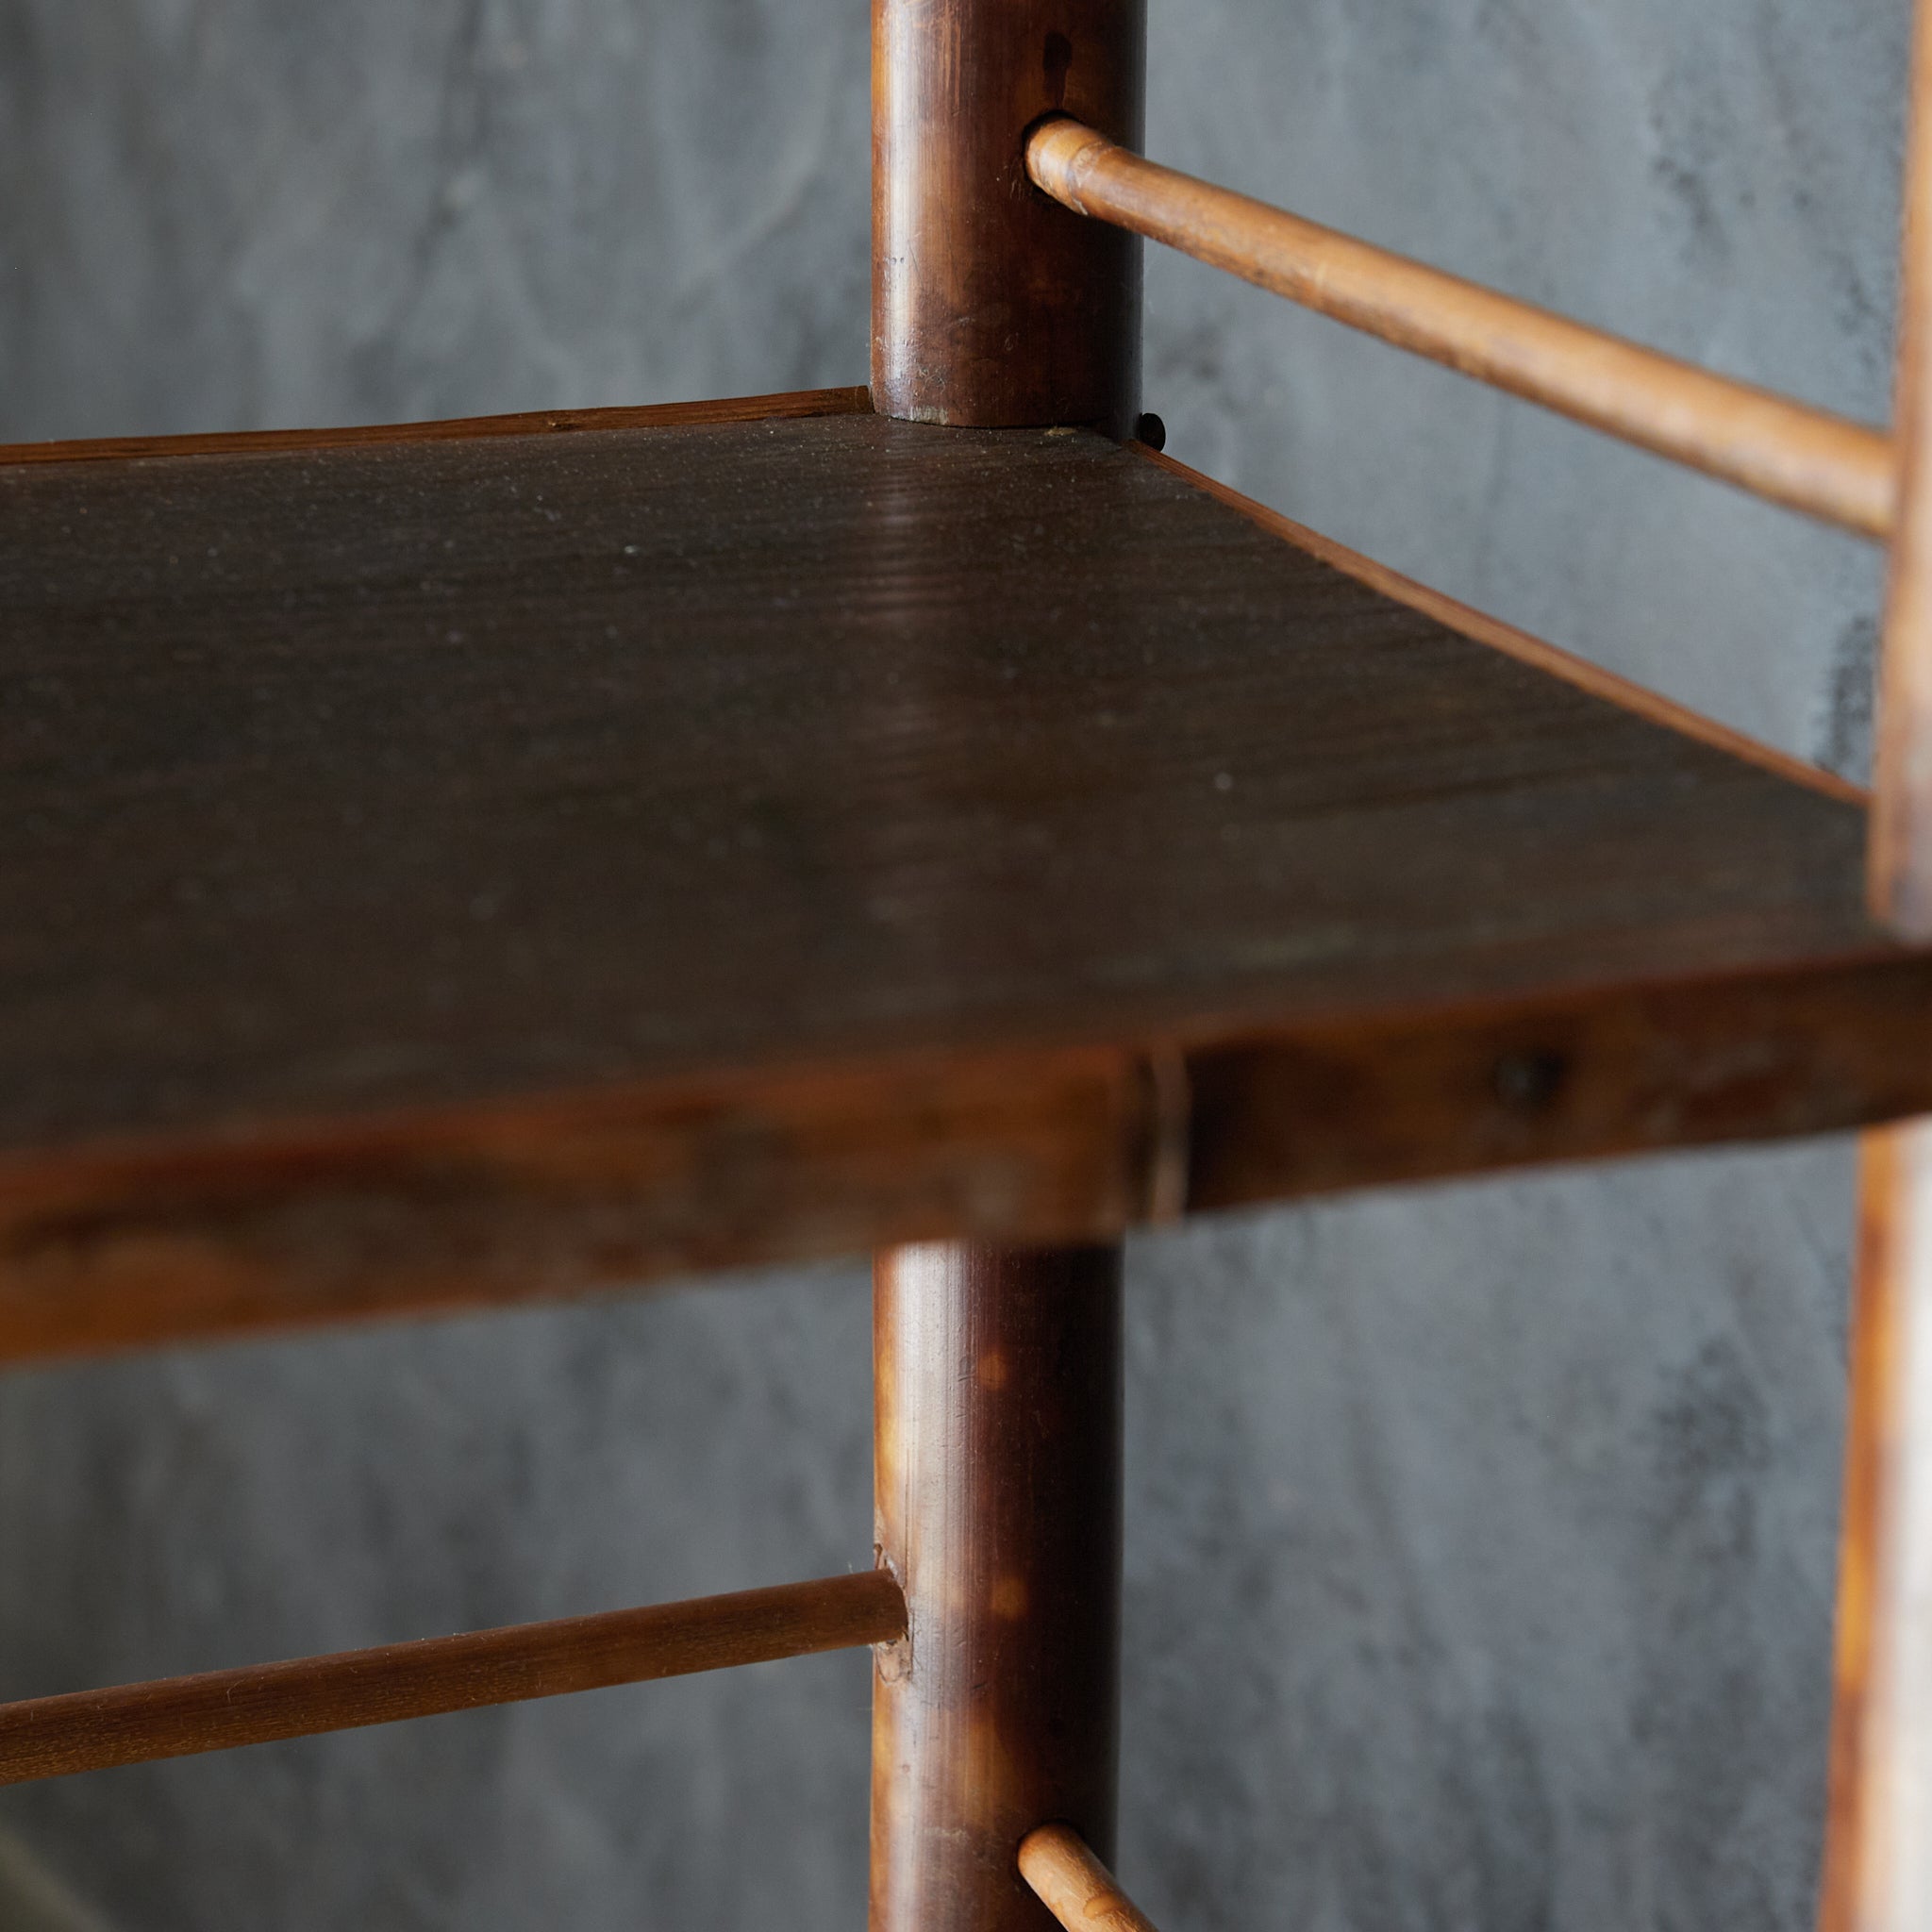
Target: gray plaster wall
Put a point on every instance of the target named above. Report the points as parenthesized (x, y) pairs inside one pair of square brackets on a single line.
[(1480, 1538)]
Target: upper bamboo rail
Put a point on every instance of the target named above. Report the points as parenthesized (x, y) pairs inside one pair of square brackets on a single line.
[(1075, 1886), (1805, 458), (177, 1717)]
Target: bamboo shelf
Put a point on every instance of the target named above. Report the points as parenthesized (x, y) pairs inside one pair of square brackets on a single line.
[(493, 864)]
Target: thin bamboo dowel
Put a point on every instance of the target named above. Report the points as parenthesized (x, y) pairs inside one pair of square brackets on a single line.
[(1075, 1886), (1900, 870), (177, 1717), (1805, 458)]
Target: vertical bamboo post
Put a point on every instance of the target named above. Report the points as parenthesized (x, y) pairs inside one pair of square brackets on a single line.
[(997, 1372), (1879, 1852), (991, 304), (1901, 850), (997, 1447)]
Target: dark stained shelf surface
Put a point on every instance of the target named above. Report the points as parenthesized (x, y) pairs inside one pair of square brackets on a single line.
[(348, 788)]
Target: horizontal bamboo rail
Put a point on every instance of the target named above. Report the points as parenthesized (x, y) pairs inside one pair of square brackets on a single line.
[(1074, 1884), (177, 1717), (1805, 458)]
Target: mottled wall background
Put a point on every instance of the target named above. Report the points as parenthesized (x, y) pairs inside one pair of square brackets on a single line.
[(1480, 1538)]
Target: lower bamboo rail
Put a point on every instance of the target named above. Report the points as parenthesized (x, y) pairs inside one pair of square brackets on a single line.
[(1075, 1886), (177, 1717), (1805, 458)]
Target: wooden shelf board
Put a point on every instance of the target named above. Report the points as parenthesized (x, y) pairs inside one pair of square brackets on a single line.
[(452, 867)]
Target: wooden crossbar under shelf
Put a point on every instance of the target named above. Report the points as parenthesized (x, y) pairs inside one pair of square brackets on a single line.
[(219, 1710)]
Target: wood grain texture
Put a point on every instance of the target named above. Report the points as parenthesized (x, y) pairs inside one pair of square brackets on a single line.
[(1516, 642), (1075, 1886), (1878, 1851), (473, 1205), (1803, 458), (794, 404), (177, 1717), (990, 304), (461, 868), (997, 1485), (1901, 849), (1570, 1077)]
